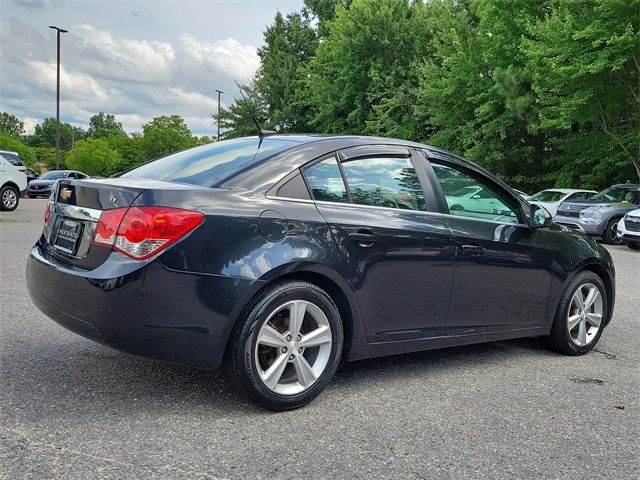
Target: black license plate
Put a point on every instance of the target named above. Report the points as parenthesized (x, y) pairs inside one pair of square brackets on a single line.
[(68, 236)]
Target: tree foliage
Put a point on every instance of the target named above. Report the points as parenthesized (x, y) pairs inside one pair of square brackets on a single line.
[(164, 135), (92, 156), (11, 125), (104, 125), (542, 93)]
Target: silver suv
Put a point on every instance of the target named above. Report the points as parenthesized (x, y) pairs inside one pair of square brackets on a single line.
[(599, 216)]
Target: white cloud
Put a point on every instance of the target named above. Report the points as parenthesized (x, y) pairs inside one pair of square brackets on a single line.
[(134, 79)]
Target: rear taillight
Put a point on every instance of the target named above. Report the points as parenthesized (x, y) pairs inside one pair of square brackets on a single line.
[(141, 232)]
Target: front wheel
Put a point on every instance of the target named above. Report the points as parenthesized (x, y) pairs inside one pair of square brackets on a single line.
[(9, 198), (581, 315), (610, 236), (286, 347)]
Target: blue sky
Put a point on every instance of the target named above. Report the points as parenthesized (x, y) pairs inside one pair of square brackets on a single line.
[(135, 59)]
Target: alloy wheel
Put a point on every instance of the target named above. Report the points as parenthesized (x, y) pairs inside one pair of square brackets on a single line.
[(293, 347), (9, 198), (585, 314)]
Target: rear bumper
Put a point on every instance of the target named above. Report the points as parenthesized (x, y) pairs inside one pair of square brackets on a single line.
[(144, 310)]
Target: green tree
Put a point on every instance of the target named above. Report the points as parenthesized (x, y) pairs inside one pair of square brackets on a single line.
[(104, 125), (361, 79), (11, 125), (92, 156), (129, 149), (45, 134), (13, 144), (164, 135), (585, 64), (236, 121)]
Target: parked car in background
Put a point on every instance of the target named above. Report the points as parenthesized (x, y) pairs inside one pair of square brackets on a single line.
[(551, 198), (599, 216), (14, 159), (12, 183), (41, 187), (280, 256), (629, 229)]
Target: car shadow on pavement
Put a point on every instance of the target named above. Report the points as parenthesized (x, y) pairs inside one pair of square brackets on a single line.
[(90, 379)]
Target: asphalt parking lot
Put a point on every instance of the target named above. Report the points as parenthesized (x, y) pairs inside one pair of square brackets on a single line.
[(71, 408)]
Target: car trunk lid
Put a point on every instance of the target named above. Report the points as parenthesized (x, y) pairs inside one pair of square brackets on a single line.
[(74, 210)]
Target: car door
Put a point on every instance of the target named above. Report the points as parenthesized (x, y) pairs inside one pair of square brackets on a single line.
[(398, 253), (501, 282)]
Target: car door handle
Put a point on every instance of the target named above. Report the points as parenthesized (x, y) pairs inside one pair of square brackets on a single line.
[(473, 249), (363, 238)]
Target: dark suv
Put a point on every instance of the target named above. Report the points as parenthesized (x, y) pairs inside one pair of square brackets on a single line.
[(599, 216)]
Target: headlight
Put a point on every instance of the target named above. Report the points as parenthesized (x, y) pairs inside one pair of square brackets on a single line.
[(591, 216)]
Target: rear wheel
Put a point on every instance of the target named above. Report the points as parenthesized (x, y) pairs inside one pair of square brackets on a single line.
[(9, 198), (286, 347), (580, 316), (610, 236)]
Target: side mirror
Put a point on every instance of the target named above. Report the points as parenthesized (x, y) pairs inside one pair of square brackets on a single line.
[(539, 217)]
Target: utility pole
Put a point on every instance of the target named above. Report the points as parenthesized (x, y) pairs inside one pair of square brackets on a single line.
[(59, 31), (218, 122)]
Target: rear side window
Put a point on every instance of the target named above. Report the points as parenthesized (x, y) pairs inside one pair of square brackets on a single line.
[(325, 180), (13, 158), (210, 165), (384, 182)]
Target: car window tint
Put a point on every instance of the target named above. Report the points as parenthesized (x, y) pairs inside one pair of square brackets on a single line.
[(325, 181), (579, 196), (384, 182), (474, 197)]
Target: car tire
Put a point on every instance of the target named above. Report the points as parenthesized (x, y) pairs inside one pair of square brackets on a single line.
[(9, 198), (610, 236), (264, 340), (633, 245), (574, 330)]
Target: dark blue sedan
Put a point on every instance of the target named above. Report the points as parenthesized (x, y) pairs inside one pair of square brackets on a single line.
[(41, 186), (280, 256)]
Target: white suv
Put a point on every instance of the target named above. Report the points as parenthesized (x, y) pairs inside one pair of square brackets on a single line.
[(629, 229), (12, 183)]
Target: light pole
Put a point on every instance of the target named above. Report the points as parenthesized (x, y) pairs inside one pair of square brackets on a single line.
[(218, 122), (59, 31)]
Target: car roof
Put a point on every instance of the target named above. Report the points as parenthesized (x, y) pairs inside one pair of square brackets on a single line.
[(9, 151)]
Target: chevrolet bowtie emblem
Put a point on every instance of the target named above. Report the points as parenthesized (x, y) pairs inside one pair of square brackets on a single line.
[(65, 194)]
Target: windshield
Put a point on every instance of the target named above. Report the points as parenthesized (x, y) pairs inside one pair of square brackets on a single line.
[(13, 158), (617, 194), (208, 165), (548, 196), (53, 175)]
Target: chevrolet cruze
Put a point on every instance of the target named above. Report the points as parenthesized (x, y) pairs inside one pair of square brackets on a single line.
[(278, 257)]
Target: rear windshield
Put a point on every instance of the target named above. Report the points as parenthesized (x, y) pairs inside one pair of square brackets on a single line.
[(208, 165), (14, 159), (617, 194), (548, 196)]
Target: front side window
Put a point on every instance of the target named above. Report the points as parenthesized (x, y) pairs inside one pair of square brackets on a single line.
[(325, 181), (384, 182), (471, 196)]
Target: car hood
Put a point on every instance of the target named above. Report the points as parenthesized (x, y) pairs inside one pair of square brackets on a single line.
[(41, 183), (579, 206)]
